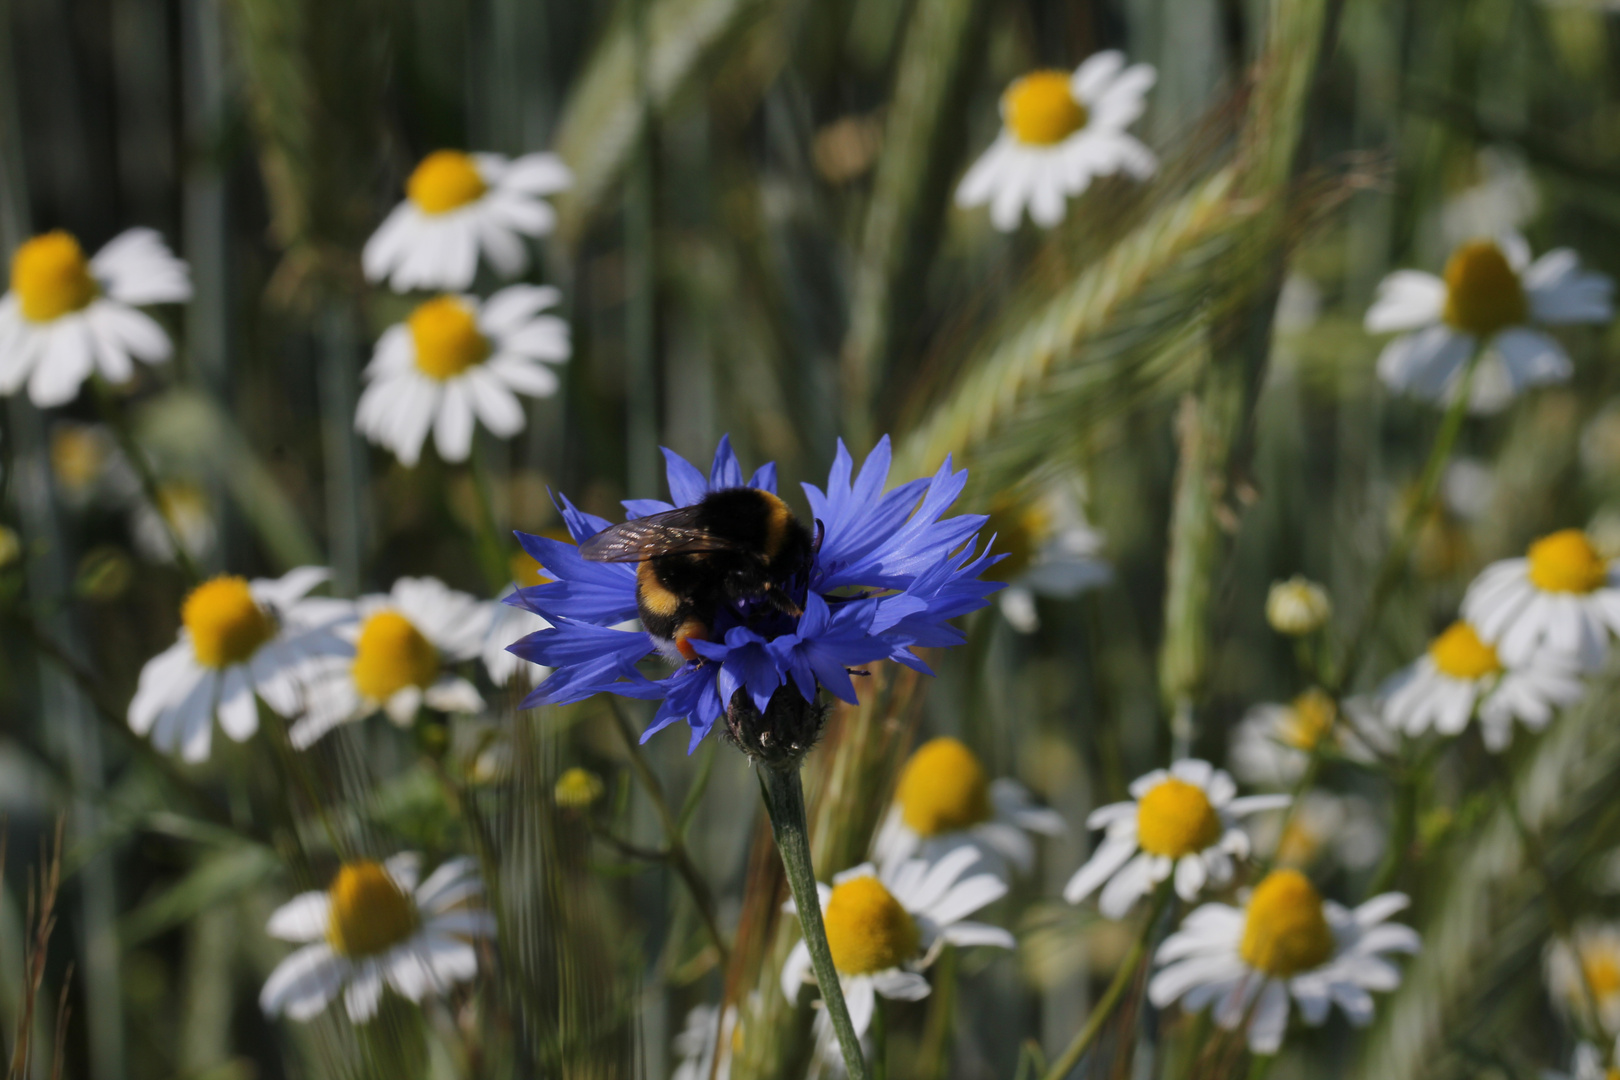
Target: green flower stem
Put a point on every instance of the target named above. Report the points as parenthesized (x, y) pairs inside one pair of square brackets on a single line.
[(1390, 572), (784, 801), (674, 853), (118, 423), (1394, 564), (1115, 993), (1563, 926), (880, 1040), (491, 548)]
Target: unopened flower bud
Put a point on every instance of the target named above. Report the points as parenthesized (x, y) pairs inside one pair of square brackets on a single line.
[(1297, 606)]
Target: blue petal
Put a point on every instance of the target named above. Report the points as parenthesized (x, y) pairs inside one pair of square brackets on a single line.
[(593, 592), (581, 526), (764, 478), (640, 508), (686, 483), (726, 472)]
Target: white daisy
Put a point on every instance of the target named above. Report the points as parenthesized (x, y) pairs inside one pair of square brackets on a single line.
[(1586, 1064), (1273, 743), (1588, 964), (1183, 821), (237, 639), (1562, 596), (455, 359), (707, 1029), (1058, 132), (1490, 294), (1344, 828), (458, 204), (376, 926), (943, 801), (883, 930), (1285, 942), (1051, 549), (404, 642), (67, 316), (1460, 672)]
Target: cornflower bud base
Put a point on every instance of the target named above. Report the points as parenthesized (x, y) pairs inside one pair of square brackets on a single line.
[(781, 735)]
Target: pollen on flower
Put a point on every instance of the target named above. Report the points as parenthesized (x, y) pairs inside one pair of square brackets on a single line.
[(1175, 818), (51, 277), (391, 655), (943, 789), (1483, 293), (1566, 562), (446, 337), (1286, 931), (227, 626), (1310, 717), (577, 788), (1041, 110), (1460, 653), (445, 180), (370, 913), (867, 928)]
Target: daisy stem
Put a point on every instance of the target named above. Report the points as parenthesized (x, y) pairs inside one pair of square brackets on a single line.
[(118, 423), (784, 801), (880, 1040), (1390, 572), (1115, 993), (490, 548), (1395, 560), (1260, 1065), (1563, 926), (674, 853)]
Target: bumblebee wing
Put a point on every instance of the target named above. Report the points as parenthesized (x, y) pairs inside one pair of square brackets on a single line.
[(673, 532)]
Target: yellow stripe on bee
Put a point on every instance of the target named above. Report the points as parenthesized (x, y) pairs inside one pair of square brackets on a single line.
[(658, 599), (776, 524)]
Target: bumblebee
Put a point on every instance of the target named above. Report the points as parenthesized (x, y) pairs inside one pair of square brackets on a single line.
[(738, 551)]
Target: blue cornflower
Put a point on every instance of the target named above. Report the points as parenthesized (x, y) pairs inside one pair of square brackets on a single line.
[(889, 573)]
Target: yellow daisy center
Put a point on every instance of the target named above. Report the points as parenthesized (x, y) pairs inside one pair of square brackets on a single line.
[(370, 912), (867, 929), (391, 655), (447, 338), (525, 569), (1040, 110), (1310, 717), (1567, 562), (226, 624), (443, 181), (577, 788), (1483, 293), (1175, 818), (1286, 931), (1602, 971), (1460, 653), (51, 277), (943, 789), (77, 455)]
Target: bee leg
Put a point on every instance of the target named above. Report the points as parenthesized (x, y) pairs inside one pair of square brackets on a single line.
[(781, 601)]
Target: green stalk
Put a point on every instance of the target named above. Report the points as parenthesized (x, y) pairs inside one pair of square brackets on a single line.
[(641, 310), (784, 801), (491, 549), (880, 1041), (1112, 996), (118, 423), (1390, 573)]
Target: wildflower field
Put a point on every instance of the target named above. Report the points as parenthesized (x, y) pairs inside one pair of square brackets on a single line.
[(754, 539)]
